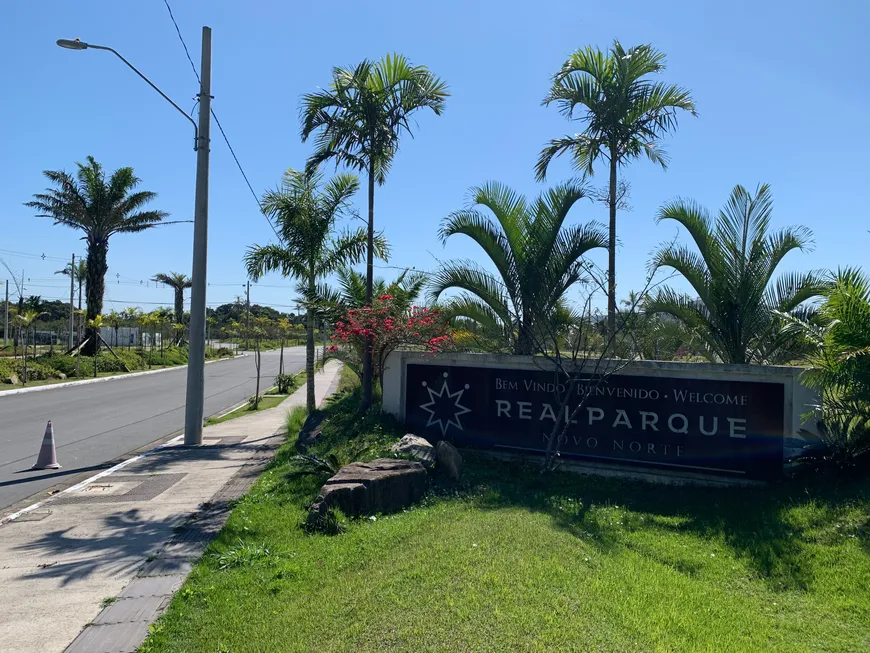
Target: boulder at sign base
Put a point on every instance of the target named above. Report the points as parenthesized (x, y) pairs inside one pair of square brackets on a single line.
[(382, 485), (418, 448), (449, 459)]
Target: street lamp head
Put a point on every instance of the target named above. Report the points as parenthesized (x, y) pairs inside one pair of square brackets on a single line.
[(72, 45)]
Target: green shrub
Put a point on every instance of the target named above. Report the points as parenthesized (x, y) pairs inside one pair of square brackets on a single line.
[(7, 369), (169, 356), (59, 362), (222, 352), (133, 360), (286, 383), (35, 370)]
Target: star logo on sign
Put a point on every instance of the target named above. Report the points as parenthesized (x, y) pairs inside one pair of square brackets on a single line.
[(443, 407)]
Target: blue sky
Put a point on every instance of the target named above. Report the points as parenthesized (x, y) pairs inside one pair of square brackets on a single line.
[(781, 89)]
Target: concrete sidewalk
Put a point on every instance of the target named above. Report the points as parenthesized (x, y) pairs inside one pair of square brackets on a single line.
[(92, 567)]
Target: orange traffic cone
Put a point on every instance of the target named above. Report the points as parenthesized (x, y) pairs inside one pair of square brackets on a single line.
[(47, 456)]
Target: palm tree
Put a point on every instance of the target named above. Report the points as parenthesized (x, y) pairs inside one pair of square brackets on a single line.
[(178, 282), (79, 273), (131, 316), (536, 256), (351, 292), (360, 118), (734, 314), (148, 320), (24, 321), (115, 320), (840, 365), (305, 215), (626, 115), (100, 208)]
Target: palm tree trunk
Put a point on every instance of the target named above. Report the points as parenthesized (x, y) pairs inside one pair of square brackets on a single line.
[(179, 305), (524, 345), (370, 270), (95, 288), (309, 347), (611, 251)]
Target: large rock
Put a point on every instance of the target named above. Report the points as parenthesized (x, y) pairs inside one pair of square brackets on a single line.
[(449, 459), (418, 448), (383, 485)]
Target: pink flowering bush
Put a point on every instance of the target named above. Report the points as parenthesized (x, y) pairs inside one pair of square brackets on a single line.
[(390, 327)]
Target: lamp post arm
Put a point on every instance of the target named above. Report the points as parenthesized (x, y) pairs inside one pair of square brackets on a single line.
[(152, 85)]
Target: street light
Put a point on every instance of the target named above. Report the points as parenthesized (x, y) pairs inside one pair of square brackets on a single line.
[(193, 412)]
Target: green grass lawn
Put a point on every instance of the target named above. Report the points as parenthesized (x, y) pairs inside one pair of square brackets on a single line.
[(509, 560), (266, 402)]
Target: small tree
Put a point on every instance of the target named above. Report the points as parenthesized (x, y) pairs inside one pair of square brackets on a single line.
[(574, 350), (388, 326), (24, 321), (114, 320)]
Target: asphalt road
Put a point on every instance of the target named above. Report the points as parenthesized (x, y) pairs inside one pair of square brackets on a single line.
[(98, 422)]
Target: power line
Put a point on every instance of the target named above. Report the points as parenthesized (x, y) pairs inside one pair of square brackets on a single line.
[(130, 302), (181, 38), (218, 123), (43, 256)]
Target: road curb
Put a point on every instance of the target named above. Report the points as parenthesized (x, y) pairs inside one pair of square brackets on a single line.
[(56, 386)]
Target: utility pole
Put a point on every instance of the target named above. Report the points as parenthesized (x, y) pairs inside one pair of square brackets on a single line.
[(248, 317), (6, 319), (193, 410), (72, 297)]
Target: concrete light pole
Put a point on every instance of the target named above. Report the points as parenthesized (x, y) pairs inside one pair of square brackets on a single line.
[(193, 413), (72, 294), (6, 318)]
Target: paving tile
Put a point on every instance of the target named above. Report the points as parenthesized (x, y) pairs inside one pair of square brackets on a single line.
[(152, 586), (110, 638), (167, 565), (143, 608)]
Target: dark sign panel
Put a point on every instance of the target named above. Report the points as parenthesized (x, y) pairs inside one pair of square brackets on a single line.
[(719, 426)]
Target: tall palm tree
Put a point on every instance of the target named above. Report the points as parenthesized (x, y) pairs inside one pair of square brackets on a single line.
[(359, 120), (79, 274), (179, 283), (735, 312), (100, 208), (625, 115), (536, 256), (305, 215)]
